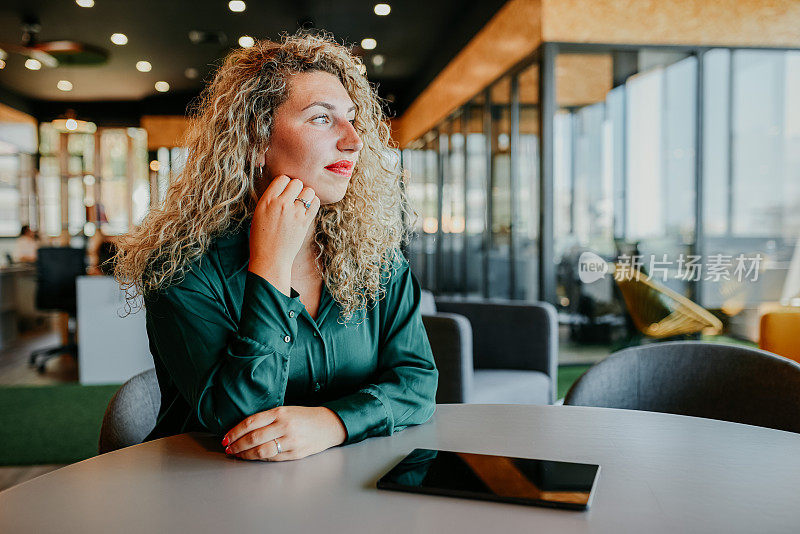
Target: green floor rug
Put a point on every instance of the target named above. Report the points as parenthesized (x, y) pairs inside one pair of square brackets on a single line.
[(61, 424), (567, 375), (51, 424)]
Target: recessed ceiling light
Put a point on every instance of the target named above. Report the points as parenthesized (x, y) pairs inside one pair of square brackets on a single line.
[(245, 41), (71, 124), (369, 43), (154, 165), (2, 64), (378, 60), (119, 39), (143, 66), (64, 85), (237, 6), (85, 3), (383, 9), (191, 73), (33, 64), (162, 87)]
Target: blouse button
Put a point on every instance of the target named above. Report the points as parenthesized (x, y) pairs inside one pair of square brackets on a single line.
[(291, 314), (316, 335), (287, 339)]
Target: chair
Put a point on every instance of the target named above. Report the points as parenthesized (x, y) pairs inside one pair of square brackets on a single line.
[(711, 380), (450, 336), (57, 268), (493, 351), (131, 413), (778, 332), (659, 312)]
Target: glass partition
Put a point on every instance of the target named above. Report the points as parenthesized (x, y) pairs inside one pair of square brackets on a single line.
[(452, 151), (415, 193), (660, 186), (625, 183), (586, 137), (420, 162), (499, 252), (526, 196), (751, 178), (91, 177), (476, 187)]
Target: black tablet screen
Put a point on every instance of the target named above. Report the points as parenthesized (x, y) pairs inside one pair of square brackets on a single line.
[(495, 478)]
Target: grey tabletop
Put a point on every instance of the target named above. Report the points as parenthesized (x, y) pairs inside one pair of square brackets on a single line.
[(660, 473)]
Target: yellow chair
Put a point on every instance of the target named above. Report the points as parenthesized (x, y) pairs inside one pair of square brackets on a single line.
[(779, 332), (659, 312)]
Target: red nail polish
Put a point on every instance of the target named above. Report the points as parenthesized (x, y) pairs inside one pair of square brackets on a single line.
[(228, 450), (225, 441)]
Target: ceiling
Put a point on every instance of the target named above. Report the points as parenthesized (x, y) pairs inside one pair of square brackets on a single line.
[(417, 39)]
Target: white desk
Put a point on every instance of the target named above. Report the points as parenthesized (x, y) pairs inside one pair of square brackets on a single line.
[(660, 473)]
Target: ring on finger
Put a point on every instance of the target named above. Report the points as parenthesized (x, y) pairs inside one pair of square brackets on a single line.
[(306, 203), (278, 445)]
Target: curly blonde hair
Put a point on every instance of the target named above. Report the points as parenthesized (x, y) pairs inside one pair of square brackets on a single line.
[(358, 237)]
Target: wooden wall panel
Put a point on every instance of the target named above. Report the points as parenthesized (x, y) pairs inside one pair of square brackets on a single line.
[(511, 35), (9, 114), (18, 130), (581, 79), (689, 22), (521, 25), (164, 130)]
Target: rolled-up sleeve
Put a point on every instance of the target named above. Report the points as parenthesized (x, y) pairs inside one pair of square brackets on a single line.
[(404, 392), (225, 371)]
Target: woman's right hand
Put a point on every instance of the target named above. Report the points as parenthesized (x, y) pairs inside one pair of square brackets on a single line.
[(279, 227)]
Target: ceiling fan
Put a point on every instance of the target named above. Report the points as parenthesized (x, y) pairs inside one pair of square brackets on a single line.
[(52, 53)]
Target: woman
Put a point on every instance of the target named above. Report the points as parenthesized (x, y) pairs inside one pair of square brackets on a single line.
[(280, 312), (26, 246)]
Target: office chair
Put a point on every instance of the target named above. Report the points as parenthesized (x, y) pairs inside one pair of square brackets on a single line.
[(57, 268), (700, 379), (131, 413)]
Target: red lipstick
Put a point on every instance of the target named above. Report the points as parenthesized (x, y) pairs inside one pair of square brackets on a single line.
[(342, 167)]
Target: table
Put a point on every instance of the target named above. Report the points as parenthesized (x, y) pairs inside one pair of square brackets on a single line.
[(660, 473)]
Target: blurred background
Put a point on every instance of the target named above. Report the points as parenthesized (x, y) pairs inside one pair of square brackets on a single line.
[(530, 132)]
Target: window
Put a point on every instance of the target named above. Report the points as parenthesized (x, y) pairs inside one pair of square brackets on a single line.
[(500, 221), (452, 151), (475, 209), (527, 192), (752, 173)]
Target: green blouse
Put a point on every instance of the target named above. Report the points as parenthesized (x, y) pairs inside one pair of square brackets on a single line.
[(227, 344)]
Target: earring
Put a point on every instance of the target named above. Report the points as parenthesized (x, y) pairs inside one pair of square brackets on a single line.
[(260, 172)]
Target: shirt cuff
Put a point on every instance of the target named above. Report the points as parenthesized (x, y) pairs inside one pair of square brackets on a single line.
[(363, 416), (268, 318)]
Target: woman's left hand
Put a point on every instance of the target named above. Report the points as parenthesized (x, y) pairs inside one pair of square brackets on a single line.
[(301, 431)]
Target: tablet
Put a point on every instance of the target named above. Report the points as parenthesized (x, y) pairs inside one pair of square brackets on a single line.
[(495, 478)]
